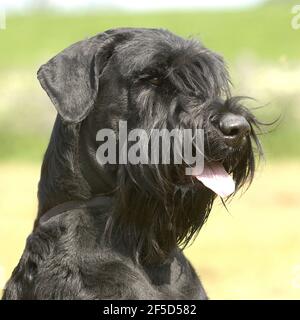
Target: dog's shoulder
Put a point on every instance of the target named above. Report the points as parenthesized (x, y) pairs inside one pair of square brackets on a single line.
[(64, 258), (75, 228), (55, 253)]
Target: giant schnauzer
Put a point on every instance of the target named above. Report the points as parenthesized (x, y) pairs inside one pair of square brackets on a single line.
[(116, 231)]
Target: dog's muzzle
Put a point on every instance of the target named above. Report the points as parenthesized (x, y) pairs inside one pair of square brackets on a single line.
[(234, 128)]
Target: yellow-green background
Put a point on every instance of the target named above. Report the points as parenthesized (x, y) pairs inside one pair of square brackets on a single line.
[(252, 252)]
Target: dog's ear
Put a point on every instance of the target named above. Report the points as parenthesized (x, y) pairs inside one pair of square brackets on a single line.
[(71, 78)]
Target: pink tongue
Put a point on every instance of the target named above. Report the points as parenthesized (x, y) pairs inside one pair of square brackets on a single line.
[(215, 177)]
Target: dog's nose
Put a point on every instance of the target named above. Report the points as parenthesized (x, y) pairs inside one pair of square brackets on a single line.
[(234, 127)]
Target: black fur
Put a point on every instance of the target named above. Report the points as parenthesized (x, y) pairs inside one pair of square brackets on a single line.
[(127, 246)]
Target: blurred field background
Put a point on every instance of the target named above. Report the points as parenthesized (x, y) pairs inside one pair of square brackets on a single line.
[(252, 252)]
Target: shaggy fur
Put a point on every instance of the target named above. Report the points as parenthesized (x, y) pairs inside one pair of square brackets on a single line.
[(122, 234)]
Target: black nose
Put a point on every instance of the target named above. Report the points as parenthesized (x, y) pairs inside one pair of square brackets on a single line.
[(234, 128)]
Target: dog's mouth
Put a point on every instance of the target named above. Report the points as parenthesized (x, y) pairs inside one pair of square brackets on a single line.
[(216, 178)]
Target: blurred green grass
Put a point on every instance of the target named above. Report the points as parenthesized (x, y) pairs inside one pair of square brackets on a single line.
[(263, 32), (22, 147)]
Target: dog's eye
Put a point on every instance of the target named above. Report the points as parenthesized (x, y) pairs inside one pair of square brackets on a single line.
[(155, 81)]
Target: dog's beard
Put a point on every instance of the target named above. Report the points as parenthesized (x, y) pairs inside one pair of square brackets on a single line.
[(154, 214), (159, 207)]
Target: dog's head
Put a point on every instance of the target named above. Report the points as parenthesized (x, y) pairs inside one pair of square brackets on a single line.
[(153, 79)]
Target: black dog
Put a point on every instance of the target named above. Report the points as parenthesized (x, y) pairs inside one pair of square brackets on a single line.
[(114, 231)]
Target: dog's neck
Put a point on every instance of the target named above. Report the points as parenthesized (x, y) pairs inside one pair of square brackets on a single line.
[(100, 180), (70, 170), (61, 178)]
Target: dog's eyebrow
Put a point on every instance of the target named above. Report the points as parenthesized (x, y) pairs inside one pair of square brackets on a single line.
[(150, 73), (155, 70)]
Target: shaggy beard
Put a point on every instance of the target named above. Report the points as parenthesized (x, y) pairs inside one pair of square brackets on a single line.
[(159, 208), (151, 219)]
